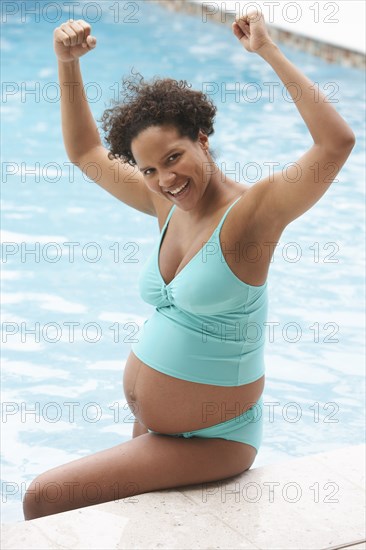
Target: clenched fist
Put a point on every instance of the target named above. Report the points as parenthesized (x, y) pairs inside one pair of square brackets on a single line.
[(71, 40), (251, 31)]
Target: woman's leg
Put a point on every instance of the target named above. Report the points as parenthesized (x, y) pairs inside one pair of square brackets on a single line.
[(143, 464)]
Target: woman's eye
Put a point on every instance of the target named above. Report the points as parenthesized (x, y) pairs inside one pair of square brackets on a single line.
[(148, 171)]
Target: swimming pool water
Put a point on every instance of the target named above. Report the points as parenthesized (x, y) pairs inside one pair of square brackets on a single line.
[(71, 253)]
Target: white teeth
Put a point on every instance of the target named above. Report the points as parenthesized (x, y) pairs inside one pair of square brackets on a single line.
[(179, 188)]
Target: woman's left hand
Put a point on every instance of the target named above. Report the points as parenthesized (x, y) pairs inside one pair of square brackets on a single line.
[(251, 31)]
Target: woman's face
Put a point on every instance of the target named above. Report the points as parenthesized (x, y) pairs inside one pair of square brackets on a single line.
[(168, 161)]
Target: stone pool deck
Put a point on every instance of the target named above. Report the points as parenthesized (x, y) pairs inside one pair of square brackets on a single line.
[(313, 502), (222, 12)]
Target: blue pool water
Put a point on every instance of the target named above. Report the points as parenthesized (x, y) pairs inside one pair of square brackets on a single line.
[(71, 309)]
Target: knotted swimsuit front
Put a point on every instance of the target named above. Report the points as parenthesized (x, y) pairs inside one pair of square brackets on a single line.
[(208, 326)]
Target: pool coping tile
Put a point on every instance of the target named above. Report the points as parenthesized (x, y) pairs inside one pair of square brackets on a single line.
[(302, 503)]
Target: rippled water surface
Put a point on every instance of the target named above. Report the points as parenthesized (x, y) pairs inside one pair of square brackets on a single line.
[(72, 252)]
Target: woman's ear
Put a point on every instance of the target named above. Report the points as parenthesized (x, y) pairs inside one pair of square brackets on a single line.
[(203, 139)]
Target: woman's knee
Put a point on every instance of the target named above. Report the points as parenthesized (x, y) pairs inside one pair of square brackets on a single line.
[(44, 496), (34, 501)]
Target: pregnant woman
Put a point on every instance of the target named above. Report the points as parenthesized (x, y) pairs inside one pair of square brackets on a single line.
[(195, 378)]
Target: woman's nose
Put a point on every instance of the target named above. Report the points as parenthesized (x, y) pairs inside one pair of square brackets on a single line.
[(167, 179)]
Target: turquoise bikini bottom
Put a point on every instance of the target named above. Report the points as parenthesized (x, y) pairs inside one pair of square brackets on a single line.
[(246, 428)]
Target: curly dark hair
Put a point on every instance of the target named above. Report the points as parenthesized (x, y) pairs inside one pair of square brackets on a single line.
[(160, 101)]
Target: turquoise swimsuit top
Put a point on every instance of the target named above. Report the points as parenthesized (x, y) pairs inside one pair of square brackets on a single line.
[(208, 325)]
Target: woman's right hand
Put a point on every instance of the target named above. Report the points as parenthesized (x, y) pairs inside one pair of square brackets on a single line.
[(72, 39)]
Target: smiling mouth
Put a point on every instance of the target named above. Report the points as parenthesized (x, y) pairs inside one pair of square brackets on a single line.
[(180, 189)]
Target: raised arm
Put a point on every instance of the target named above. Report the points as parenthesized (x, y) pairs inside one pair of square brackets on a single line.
[(80, 133), (285, 196), (71, 41)]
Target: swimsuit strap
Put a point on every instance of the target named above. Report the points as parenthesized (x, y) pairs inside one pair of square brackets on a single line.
[(226, 213), (168, 218)]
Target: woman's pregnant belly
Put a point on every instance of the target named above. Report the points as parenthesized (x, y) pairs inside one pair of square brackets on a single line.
[(166, 404)]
